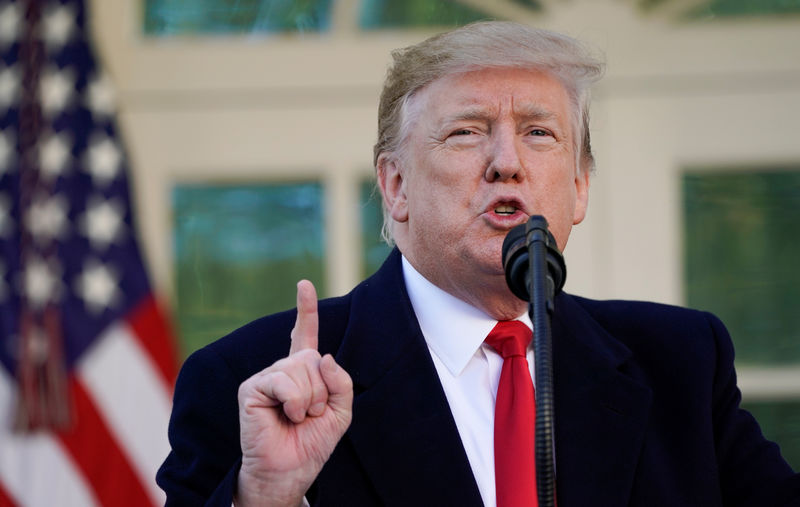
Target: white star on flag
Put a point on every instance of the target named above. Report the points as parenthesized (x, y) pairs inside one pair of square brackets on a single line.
[(41, 282), (58, 25), (56, 90), (6, 224), (97, 285), (104, 159), (54, 153), (47, 218), (7, 151), (9, 86), (102, 222), (101, 97), (9, 24)]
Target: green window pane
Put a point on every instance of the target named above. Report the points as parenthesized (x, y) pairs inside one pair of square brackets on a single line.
[(375, 249), (736, 8), (376, 14), (531, 4), (239, 252), (192, 17), (780, 422), (742, 250)]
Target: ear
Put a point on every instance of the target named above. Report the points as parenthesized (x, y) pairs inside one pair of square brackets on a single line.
[(581, 195), (393, 186)]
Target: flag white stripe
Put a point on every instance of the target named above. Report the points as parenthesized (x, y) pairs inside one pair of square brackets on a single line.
[(122, 381), (35, 469)]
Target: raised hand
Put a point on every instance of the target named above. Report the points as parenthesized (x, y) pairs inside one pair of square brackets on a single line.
[(291, 415)]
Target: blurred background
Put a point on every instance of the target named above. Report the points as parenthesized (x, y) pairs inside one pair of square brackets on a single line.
[(248, 127)]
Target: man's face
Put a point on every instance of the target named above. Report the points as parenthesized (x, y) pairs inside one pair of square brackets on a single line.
[(488, 149)]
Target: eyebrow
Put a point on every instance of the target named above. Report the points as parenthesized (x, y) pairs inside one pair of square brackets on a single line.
[(471, 113), (533, 112), (528, 112)]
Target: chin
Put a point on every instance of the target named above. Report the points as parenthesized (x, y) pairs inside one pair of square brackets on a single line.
[(492, 267)]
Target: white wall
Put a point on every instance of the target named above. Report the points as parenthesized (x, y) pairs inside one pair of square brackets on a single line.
[(676, 94)]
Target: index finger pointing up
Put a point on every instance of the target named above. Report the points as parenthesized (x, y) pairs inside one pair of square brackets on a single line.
[(306, 327)]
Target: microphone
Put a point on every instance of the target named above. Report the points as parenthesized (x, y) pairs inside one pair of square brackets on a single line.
[(535, 272), (519, 241)]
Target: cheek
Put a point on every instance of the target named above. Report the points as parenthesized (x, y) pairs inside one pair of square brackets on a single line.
[(555, 185), (429, 205), (443, 182), (556, 199)]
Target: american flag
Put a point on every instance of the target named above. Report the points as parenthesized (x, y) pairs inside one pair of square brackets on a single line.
[(87, 362)]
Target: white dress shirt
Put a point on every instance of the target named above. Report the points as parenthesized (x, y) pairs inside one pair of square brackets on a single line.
[(468, 369)]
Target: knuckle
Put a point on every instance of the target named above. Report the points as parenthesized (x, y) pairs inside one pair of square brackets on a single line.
[(347, 381), (308, 357), (320, 392), (246, 387), (298, 403), (276, 366)]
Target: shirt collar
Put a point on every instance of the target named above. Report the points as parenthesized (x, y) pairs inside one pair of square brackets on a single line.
[(453, 329)]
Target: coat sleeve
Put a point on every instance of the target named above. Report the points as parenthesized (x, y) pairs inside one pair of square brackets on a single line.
[(752, 470), (205, 456)]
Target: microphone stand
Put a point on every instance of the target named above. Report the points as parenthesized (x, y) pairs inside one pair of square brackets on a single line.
[(535, 271)]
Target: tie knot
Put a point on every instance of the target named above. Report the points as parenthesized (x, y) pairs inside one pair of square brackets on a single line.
[(509, 338)]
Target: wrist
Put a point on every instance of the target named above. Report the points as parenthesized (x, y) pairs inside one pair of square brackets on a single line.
[(255, 489)]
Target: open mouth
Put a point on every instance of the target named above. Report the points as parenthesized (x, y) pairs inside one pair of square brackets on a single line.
[(505, 210)]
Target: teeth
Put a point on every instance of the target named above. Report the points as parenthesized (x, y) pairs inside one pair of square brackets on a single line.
[(505, 210)]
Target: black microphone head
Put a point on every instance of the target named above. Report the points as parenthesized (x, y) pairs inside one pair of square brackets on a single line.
[(515, 257), (556, 267), (515, 262)]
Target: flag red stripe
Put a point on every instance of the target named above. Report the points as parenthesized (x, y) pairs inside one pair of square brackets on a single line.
[(5, 498), (97, 454), (154, 334)]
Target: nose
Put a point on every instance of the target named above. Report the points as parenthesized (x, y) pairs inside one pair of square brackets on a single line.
[(504, 160)]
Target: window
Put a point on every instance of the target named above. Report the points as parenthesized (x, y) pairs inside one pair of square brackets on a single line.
[(239, 252), (739, 8), (173, 17), (377, 14), (741, 252), (218, 17), (780, 421)]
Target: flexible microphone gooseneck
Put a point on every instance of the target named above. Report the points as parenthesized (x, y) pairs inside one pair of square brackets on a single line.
[(535, 272)]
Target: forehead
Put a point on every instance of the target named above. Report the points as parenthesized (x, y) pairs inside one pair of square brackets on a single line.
[(491, 90)]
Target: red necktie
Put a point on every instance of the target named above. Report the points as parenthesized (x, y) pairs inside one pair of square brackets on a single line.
[(514, 418)]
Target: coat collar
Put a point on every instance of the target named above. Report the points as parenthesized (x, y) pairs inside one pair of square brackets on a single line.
[(601, 409)]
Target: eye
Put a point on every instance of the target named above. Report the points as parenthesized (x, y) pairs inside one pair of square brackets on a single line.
[(461, 132), (539, 132)]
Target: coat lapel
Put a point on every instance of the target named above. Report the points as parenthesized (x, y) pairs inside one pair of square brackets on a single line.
[(405, 436), (402, 430), (601, 410)]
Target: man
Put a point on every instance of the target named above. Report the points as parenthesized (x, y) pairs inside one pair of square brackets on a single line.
[(386, 396)]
